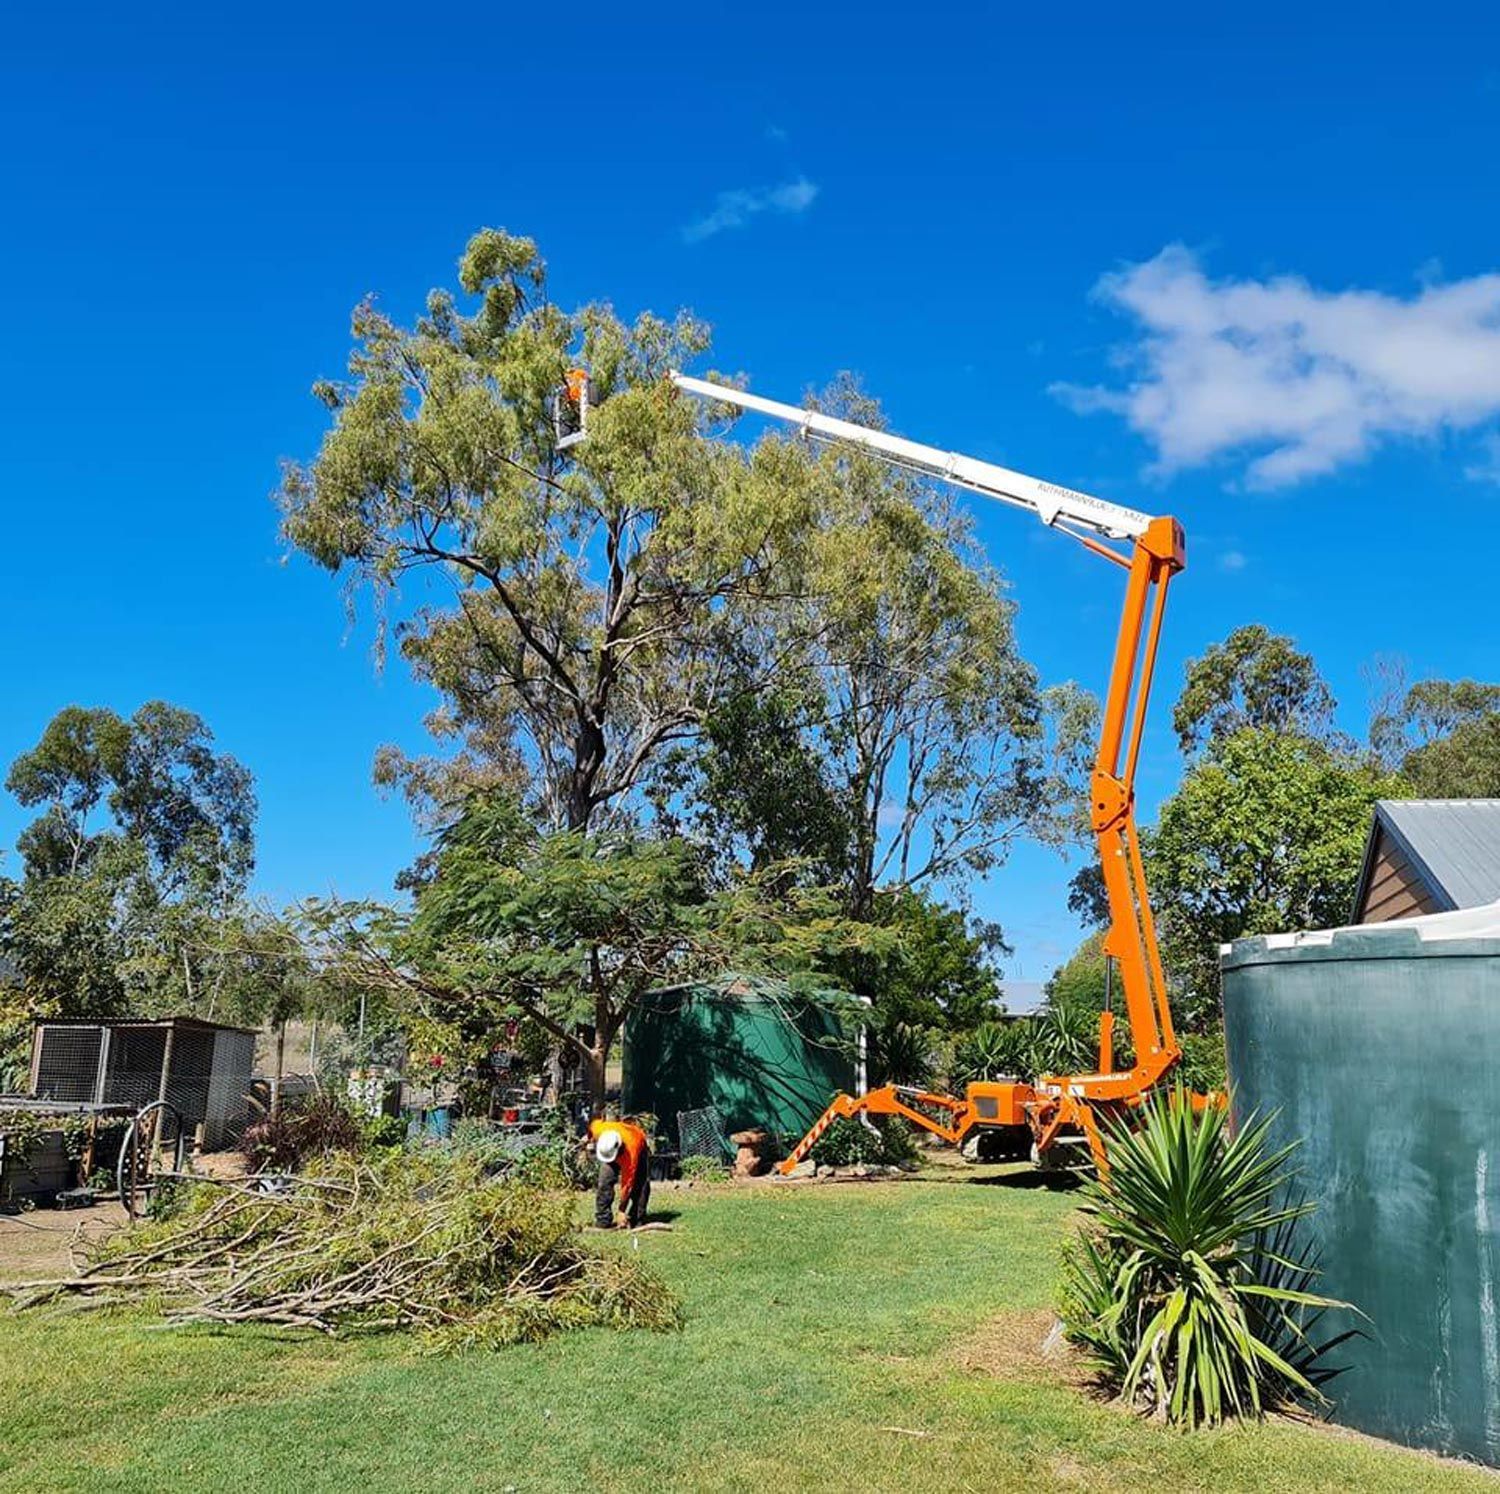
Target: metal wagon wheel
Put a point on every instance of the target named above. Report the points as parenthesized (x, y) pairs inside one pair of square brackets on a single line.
[(154, 1136)]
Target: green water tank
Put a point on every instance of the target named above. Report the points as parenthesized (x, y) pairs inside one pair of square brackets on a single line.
[(761, 1055), (1379, 1049)]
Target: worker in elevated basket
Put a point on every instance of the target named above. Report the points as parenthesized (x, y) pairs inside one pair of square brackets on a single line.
[(624, 1160)]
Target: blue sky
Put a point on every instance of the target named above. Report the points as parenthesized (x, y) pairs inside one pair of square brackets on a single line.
[(1234, 270)]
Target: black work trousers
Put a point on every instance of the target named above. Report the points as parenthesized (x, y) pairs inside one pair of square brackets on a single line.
[(640, 1193)]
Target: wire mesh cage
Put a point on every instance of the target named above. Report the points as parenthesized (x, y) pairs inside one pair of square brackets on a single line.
[(201, 1069), (66, 1064), (700, 1133), (228, 1092), (135, 1066)]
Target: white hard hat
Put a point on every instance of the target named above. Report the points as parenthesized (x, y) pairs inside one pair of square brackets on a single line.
[(607, 1148)]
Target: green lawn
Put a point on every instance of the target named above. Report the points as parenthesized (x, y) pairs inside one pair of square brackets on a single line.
[(819, 1319)]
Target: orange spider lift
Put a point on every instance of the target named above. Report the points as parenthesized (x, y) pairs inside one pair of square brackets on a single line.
[(1061, 1112)]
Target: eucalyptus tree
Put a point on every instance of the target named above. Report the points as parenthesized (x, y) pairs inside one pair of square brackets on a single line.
[(1253, 679), (577, 614), (1443, 736), (945, 747), (153, 779), (587, 612), (917, 744), (144, 841), (807, 648)]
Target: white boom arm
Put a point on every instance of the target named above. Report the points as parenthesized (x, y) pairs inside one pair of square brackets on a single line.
[(1049, 502)]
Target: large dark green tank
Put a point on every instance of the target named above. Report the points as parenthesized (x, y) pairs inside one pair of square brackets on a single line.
[(763, 1056), (1379, 1047)]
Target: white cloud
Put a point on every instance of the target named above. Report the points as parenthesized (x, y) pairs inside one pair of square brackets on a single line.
[(1487, 468), (1233, 560), (1298, 380), (735, 209)]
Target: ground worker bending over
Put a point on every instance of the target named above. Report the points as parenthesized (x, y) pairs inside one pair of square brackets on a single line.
[(624, 1158)]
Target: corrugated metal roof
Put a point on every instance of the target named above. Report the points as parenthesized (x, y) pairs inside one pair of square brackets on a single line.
[(1455, 842)]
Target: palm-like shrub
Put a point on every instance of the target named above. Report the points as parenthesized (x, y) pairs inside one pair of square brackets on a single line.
[(990, 1050), (904, 1054), (1065, 1039), (1187, 1290)]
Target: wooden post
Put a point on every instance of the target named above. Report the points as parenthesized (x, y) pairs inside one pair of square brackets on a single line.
[(280, 1061), (86, 1162), (161, 1094), (166, 1062)]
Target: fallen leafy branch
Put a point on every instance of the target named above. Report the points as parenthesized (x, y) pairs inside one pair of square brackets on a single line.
[(427, 1244)]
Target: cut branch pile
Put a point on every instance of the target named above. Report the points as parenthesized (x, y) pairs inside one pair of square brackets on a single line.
[(425, 1244)]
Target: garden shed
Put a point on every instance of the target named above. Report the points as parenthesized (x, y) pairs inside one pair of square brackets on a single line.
[(762, 1055), (1377, 1047), (1429, 856)]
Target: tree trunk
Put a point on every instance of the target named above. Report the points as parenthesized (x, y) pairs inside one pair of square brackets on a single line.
[(588, 759), (606, 1024), (595, 1064)]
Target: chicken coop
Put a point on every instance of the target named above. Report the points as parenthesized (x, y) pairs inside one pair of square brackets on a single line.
[(201, 1069)]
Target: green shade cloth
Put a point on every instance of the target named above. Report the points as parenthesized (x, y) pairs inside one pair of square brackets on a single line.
[(762, 1055)]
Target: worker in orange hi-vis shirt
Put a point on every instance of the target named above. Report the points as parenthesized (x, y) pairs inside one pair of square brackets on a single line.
[(624, 1160)]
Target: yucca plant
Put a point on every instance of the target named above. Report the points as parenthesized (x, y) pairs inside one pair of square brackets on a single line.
[(904, 1054), (1187, 1289), (1065, 1039), (990, 1050)]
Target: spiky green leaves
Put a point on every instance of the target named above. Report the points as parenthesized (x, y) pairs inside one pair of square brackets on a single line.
[(1188, 1290)]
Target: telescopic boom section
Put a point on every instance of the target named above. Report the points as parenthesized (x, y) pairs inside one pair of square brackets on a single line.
[(1050, 502), (1156, 555)]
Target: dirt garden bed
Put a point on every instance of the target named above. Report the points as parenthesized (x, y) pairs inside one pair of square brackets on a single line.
[(35, 1244)]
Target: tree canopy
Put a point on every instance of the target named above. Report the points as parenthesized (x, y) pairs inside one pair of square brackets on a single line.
[(587, 609), (144, 843), (937, 738), (161, 785), (569, 930), (910, 744), (1265, 833), (935, 969), (1254, 678), (758, 788), (1462, 765), (1443, 736), (601, 616)]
